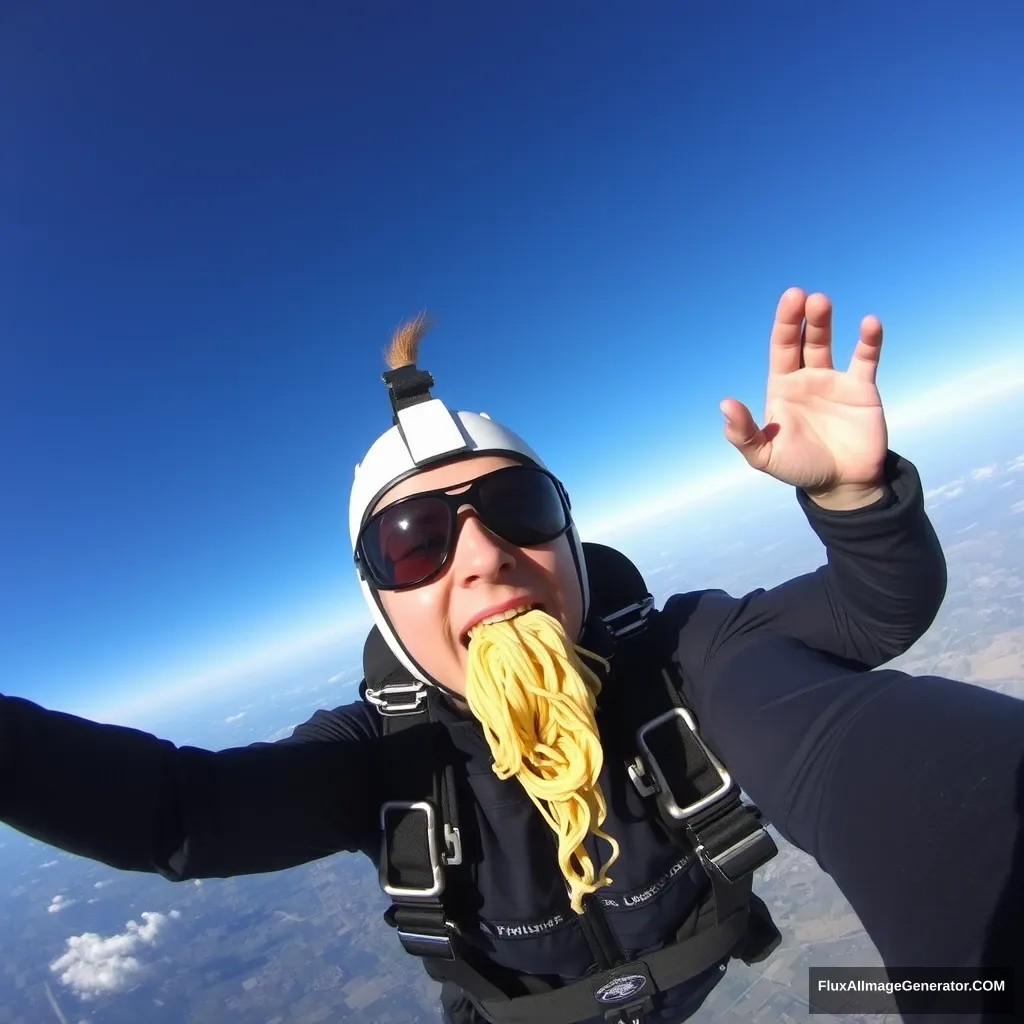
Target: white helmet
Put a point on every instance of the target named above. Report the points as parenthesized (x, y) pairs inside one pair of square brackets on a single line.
[(426, 433)]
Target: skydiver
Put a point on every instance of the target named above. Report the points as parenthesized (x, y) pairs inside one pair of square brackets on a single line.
[(899, 786)]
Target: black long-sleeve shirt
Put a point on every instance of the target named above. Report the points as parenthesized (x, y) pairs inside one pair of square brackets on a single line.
[(907, 790)]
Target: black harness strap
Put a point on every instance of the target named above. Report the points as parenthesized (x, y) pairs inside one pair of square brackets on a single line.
[(698, 802), (419, 837)]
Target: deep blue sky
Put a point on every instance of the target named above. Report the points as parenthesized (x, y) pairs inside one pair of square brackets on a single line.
[(212, 215)]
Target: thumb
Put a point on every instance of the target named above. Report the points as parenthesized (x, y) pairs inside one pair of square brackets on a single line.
[(744, 434)]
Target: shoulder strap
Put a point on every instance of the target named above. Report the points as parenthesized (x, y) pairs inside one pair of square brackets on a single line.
[(699, 804), (420, 836)]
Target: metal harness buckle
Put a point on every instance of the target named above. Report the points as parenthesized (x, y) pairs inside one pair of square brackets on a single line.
[(382, 698), (720, 861), (630, 619), (421, 944), (666, 797), (452, 855), (437, 885)]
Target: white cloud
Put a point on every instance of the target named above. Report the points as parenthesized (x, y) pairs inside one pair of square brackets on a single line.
[(667, 567), (951, 490), (58, 903), (94, 965), (955, 488), (1017, 507), (234, 718), (281, 734), (48, 864), (104, 884)]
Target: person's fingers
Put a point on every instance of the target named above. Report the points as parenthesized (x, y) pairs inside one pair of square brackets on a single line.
[(743, 433), (817, 351), (787, 333), (868, 350)]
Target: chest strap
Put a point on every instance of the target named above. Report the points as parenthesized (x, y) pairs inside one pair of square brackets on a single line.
[(624, 994)]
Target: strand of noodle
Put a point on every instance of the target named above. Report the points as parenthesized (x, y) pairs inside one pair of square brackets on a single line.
[(535, 700)]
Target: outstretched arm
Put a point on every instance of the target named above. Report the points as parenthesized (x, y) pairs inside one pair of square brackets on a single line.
[(136, 802), (908, 791)]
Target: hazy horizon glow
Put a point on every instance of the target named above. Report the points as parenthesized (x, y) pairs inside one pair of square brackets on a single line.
[(165, 688)]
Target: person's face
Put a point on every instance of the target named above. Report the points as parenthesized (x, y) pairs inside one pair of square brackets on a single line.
[(482, 572)]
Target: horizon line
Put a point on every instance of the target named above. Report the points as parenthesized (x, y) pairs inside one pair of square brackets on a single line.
[(953, 394)]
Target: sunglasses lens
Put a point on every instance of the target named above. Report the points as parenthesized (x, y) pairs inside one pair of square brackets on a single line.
[(408, 542), (523, 506)]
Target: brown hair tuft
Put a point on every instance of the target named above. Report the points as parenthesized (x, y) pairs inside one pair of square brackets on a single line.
[(405, 341)]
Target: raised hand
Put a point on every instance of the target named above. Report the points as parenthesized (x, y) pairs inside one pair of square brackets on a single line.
[(824, 429)]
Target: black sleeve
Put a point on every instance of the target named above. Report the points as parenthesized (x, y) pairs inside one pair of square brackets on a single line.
[(136, 802), (908, 791), (339, 725), (877, 594)]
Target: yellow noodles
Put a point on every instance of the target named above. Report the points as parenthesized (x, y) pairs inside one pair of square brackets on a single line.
[(535, 699)]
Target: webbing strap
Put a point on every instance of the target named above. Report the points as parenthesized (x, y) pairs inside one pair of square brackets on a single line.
[(419, 839), (697, 800)]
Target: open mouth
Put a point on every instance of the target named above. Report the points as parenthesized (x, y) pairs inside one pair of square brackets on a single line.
[(502, 617)]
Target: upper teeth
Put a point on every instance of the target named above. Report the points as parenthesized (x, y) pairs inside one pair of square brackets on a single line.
[(504, 616)]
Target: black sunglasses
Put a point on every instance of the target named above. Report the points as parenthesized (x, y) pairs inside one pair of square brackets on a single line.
[(411, 541)]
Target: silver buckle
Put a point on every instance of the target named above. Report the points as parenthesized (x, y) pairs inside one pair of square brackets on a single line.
[(437, 886), (761, 835), (716, 861), (381, 698), (443, 943), (667, 797), (638, 774), (634, 614), (453, 846)]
